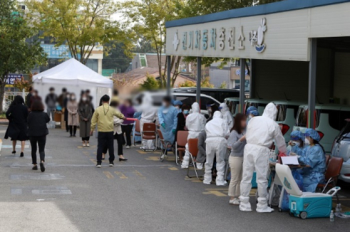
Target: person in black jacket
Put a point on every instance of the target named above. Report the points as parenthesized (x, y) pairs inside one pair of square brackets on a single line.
[(17, 128), (38, 131)]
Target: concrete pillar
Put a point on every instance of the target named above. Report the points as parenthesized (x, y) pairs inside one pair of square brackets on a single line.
[(242, 86), (168, 73), (199, 78), (99, 66), (312, 83)]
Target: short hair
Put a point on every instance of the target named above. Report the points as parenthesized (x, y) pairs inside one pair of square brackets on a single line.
[(64, 90), (115, 92), (87, 91), (30, 88), (114, 104), (185, 107), (105, 98), (167, 99), (52, 88), (37, 105), (36, 91)]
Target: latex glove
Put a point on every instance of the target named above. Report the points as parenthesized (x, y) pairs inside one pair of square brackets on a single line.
[(163, 125), (174, 131)]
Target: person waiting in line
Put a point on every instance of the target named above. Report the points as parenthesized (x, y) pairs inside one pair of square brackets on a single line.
[(17, 129), (216, 146), (148, 115), (104, 118), (65, 103), (167, 115), (61, 97), (226, 114), (37, 131), (50, 101), (236, 142), (261, 132), (85, 112), (201, 155), (35, 97), (315, 160), (128, 110), (88, 95), (73, 121), (118, 132), (195, 123), (296, 143), (29, 97)]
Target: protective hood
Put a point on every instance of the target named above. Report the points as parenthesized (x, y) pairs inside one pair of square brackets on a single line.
[(195, 107), (270, 111), (217, 114), (223, 107), (147, 99)]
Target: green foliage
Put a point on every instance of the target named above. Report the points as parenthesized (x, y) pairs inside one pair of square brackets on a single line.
[(188, 84), (115, 57), (223, 85), (18, 50), (150, 84), (144, 46), (80, 24), (205, 83)]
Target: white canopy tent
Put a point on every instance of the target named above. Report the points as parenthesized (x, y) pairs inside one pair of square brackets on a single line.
[(74, 76)]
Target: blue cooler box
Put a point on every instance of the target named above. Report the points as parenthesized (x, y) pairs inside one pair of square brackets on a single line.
[(305, 204)]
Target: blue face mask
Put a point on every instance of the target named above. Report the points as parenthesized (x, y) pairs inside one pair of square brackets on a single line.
[(186, 112)]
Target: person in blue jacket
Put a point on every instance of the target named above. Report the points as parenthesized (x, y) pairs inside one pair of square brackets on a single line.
[(296, 143), (315, 161), (167, 115)]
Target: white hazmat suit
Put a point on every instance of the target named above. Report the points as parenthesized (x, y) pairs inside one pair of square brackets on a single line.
[(149, 114), (226, 114), (261, 132), (216, 144), (195, 123)]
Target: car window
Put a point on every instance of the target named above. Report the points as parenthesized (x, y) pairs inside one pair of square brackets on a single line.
[(281, 112), (232, 106), (188, 100), (302, 117), (206, 101), (333, 118), (344, 115), (157, 100)]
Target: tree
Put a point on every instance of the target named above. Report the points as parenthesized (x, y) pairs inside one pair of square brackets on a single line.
[(205, 83), (188, 84), (19, 51), (116, 58), (79, 24), (24, 84), (150, 84), (148, 18), (223, 85), (144, 46)]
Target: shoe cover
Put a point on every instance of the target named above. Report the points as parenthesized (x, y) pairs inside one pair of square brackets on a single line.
[(199, 166), (246, 207), (221, 183), (265, 209), (206, 182)]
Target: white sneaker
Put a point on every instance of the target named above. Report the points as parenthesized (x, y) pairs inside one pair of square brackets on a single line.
[(199, 166), (88, 144), (84, 145), (98, 165), (235, 201), (127, 147)]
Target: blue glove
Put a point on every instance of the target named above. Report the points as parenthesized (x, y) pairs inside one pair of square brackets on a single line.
[(163, 125), (174, 131)]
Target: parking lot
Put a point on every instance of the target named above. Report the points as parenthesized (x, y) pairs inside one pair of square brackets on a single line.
[(142, 194)]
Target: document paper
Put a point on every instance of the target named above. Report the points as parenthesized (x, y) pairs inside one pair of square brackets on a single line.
[(290, 160)]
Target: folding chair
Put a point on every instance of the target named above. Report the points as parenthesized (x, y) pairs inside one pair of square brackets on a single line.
[(193, 151), (180, 144), (332, 172), (137, 131), (149, 133), (165, 144)]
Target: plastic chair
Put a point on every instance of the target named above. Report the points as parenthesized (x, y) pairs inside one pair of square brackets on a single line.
[(180, 144), (193, 151), (332, 173), (328, 157), (165, 145), (149, 132), (137, 130)]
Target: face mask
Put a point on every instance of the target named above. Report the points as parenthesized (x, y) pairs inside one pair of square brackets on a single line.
[(84, 98), (186, 112), (52, 91), (177, 107), (34, 94), (307, 142), (164, 104), (72, 98)]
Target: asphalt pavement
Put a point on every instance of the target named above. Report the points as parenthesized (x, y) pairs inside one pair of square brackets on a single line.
[(142, 194)]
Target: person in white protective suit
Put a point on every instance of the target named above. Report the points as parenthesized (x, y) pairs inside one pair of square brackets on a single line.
[(261, 132), (148, 115), (216, 144), (226, 114), (195, 123)]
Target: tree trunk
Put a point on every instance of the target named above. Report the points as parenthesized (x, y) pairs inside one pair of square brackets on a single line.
[(2, 92)]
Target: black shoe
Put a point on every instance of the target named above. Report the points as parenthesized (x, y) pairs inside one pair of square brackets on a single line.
[(22, 155), (35, 167), (121, 159), (13, 152), (71, 136), (111, 164), (42, 167), (74, 136)]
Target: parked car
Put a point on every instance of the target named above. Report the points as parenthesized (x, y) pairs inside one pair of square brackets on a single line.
[(260, 104), (341, 148), (233, 105), (329, 120), (218, 94)]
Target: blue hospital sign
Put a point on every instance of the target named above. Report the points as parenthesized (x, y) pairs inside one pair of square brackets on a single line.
[(12, 77), (56, 52)]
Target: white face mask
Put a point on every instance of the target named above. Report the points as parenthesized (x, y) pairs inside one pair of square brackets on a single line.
[(72, 98), (307, 142), (177, 107), (296, 143), (84, 98)]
